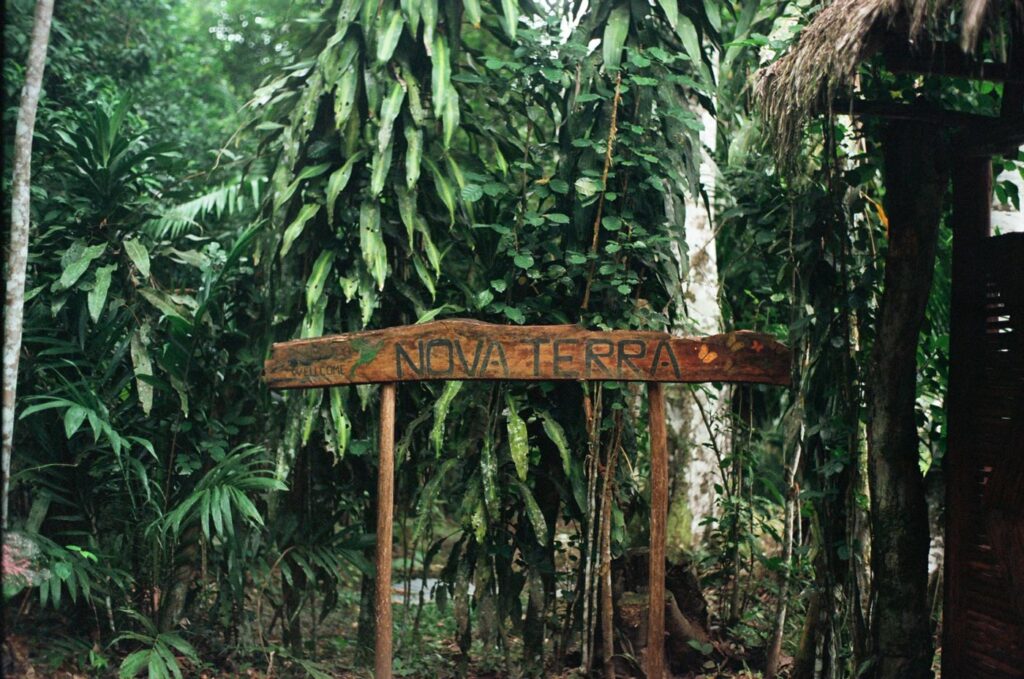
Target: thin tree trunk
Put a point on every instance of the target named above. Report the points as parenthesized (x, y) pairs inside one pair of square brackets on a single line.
[(794, 438), (17, 254), (607, 604), (916, 173)]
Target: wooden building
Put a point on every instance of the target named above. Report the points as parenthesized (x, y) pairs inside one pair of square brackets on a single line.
[(983, 602)]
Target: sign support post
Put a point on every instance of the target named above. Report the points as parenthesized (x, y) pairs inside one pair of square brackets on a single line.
[(659, 519), (385, 527), (469, 350)]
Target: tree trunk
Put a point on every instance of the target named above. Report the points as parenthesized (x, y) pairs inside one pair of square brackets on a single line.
[(695, 413), (17, 254), (794, 441), (916, 173)]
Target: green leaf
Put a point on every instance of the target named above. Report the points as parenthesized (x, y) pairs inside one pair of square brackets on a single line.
[(441, 413), (411, 9), (388, 40), (73, 418), (611, 223), (615, 32), (338, 181), (345, 95), (293, 231), (78, 264), (389, 110), (428, 11), (441, 75), (523, 261), (556, 433), (443, 186), (518, 441), (413, 156), (380, 167), (342, 425), (671, 10), (139, 255), (371, 242), (587, 186), (133, 664), (489, 475), (533, 513), (98, 294), (160, 300), (510, 17), (143, 367), (450, 117), (315, 284), (473, 14)]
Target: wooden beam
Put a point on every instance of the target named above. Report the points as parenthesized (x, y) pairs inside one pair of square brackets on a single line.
[(974, 135), (385, 510), (659, 519), (469, 350), (943, 59)]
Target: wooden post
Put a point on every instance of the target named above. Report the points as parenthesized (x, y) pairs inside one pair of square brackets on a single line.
[(659, 518), (971, 223), (385, 509)]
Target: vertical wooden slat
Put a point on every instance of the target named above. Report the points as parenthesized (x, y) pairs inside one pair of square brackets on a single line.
[(972, 186), (385, 510), (659, 518)]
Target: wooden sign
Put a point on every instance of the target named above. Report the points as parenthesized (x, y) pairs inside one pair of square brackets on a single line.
[(470, 350)]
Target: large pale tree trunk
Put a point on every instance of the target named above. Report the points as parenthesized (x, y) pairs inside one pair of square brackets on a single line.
[(916, 175), (17, 253), (696, 416)]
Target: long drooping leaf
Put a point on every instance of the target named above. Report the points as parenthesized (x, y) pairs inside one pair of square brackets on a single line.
[(489, 476), (413, 156), (533, 513), (143, 368), (317, 278), (556, 433), (76, 262), (345, 95), (615, 32), (342, 424), (510, 16), (338, 181), (307, 212), (388, 39), (139, 255), (371, 242), (441, 75), (518, 441), (389, 111), (441, 413), (98, 294)]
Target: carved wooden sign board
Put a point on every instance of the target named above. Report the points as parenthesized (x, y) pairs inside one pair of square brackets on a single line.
[(470, 350)]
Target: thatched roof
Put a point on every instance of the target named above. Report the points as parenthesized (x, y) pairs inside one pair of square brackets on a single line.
[(829, 50)]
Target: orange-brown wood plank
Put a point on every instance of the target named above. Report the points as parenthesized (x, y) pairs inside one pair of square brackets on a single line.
[(468, 350)]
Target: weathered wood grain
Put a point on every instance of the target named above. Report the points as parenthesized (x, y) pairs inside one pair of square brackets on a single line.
[(470, 350), (385, 527), (659, 524)]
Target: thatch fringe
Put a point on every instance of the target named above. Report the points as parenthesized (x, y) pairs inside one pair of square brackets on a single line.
[(831, 48)]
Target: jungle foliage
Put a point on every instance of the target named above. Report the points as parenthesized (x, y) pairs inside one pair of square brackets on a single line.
[(210, 178)]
